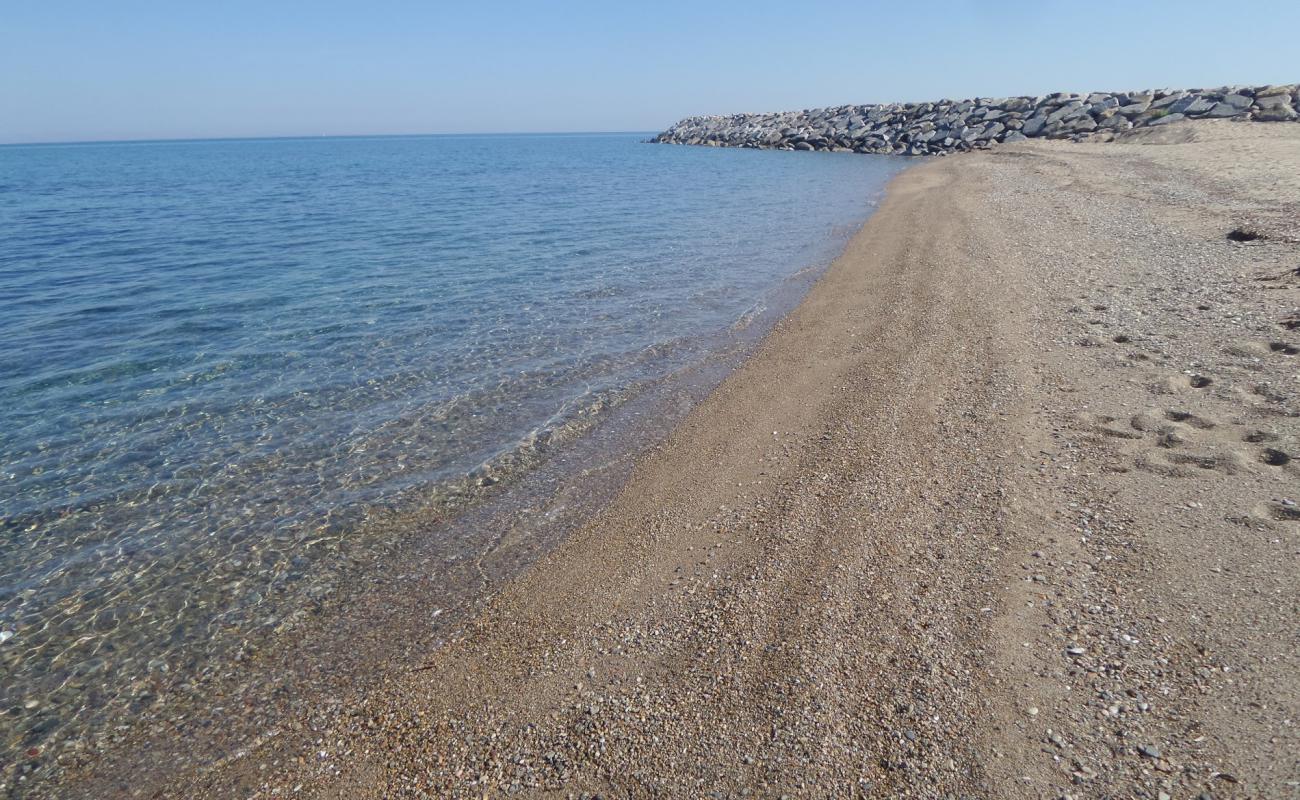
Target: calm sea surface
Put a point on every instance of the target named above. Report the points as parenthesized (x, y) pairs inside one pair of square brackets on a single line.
[(217, 357)]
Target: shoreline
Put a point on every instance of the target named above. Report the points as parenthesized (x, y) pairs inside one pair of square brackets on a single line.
[(375, 623), (937, 521)]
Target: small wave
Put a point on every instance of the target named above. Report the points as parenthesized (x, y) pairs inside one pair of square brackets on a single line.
[(751, 315)]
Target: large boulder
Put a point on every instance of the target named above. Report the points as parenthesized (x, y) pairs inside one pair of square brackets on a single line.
[(1168, 100), (1056, 130), (1034, 125), (1136, 98), (1270, 101), (1166, 119), (1191, 105), (1134, 109), (1277, 114), (1223, 109), (1064, 111), (1105, 104), (1273, 91)]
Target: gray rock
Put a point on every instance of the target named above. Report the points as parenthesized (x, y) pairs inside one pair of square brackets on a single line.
[(1063, 112), (1192, 106), (1136, 98), (1272, 101), (1275, 90), (1168, 100), (1079, 113), (957, 126), (1166, 119), (1034, 125), (1054, 130), (1225, 110), (1279, 114)]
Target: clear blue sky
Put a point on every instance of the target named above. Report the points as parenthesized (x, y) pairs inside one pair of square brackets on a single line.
[(129, 69)]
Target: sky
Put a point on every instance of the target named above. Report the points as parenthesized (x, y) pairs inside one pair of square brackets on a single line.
[(81, 70)]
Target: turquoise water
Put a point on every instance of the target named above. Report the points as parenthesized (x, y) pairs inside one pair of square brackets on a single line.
[(218, 355)]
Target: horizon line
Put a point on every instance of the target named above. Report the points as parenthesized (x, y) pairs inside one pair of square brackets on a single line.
[(300, 137)]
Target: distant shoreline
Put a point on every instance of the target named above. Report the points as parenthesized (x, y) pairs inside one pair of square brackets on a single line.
[(308, 137)]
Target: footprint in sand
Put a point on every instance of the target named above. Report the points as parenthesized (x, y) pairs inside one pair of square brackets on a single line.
[(1165, 426), (1267, 392), (1281, 512), (1179, 383), (1259, 351), (1175, 430), (1103, 424), (1188, 418), (1187, 465), (1259, 436)]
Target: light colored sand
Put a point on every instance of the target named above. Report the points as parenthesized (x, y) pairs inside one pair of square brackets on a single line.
[(857, 568)]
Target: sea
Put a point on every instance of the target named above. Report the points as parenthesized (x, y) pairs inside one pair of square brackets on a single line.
[(220, 359)]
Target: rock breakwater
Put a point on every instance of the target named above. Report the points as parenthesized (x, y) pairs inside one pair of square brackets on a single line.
[(948, 126)]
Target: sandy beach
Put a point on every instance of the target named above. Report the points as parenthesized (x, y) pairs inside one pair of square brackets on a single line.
[(1005, 508)]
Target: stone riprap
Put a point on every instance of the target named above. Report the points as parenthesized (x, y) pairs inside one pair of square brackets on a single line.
[(948, 126)]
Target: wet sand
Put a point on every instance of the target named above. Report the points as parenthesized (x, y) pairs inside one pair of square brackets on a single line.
[(1005, 508)]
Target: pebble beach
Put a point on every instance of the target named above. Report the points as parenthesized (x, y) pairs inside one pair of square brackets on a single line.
[(1006, 507)]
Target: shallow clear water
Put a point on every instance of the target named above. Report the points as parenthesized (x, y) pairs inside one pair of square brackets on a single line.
[(218, 357)]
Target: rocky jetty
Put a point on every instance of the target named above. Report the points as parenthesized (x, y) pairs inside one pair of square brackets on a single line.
[(948, 126)]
